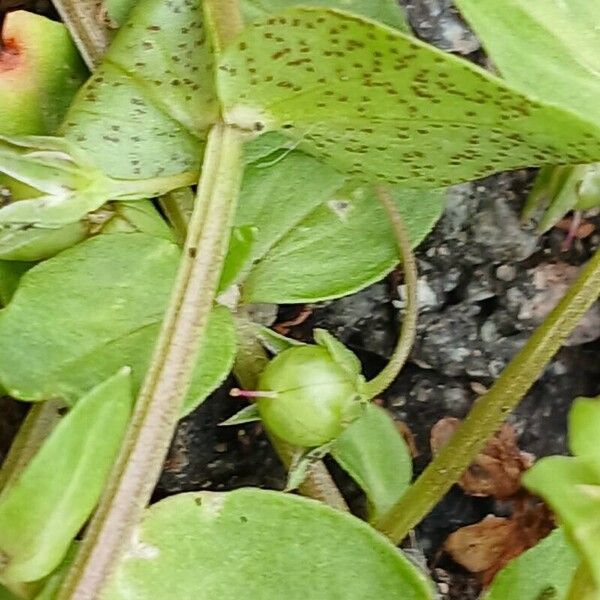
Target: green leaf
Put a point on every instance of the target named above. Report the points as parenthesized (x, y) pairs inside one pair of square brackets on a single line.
[(381, 105), (138, 216), (262, 545), (547, 48), (342, 355), (584, 427), (248, 414), (384, 11), (44, 509), (67, 188), (547, 568), (323, 238), (93, 309), (146, 110), (239, 252), (6, 594), (373, 452), (571, 486), (275, 342)]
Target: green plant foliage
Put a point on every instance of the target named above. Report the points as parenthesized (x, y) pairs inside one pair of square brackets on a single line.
[(6, 594), (571, 485), (262, 545), (374, 453), (384, 11), (43, 510), (66, 183), (136, 216), (400, 111), (320, 236), (547, 568), (34, 92), (147, 108), (93, 309), (563, 188), (548, 48)]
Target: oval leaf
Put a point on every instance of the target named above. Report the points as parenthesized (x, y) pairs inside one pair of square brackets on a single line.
[(322, 238), (373, 452), (381, 105), (44, 509), (96, 308), (262, 545)]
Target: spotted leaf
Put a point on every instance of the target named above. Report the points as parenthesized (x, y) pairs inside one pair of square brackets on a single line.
[(381, 105), (147, 108)]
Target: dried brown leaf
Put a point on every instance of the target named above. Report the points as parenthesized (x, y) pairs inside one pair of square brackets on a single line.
[(496, 471)]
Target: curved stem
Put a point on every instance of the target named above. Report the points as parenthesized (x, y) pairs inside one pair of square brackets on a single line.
[(489, 412), (408, 326)]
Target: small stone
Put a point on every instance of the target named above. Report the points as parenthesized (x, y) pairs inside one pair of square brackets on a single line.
[(506, 273)]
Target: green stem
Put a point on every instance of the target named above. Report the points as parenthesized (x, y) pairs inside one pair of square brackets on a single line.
[(250, 360), (82, 19), (408, 327), (167, 381), (489, 412), (159, 404), (178, 206)]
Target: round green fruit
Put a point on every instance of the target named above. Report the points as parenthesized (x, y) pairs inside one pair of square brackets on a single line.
[(315, 397)]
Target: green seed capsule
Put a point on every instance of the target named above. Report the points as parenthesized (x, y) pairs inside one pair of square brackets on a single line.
[(316, 393)]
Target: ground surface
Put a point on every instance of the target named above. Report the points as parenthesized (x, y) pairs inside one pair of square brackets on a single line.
[(485, 283)]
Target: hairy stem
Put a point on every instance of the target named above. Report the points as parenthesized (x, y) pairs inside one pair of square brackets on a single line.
[(82, 17), (167, 381), (489, 412), (251, 359), (159, 404), (408, 327)]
